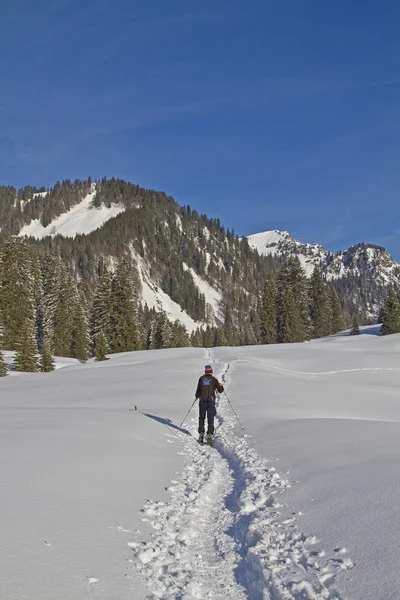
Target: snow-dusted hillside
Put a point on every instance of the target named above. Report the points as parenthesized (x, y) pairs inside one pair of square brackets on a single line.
[(101, 501), (359, 259), (154, 297), (212, 296), (80, 219)]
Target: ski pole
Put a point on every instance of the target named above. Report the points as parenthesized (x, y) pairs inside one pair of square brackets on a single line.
[(234, 412), (195, 400)]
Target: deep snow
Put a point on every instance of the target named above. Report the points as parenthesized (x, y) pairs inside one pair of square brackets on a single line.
[(101, 501)]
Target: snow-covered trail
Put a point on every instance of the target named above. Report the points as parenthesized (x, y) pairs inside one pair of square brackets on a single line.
[(223, 534)]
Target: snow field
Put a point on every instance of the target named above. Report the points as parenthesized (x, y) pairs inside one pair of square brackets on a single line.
[(101, 501), (80, 219), (222, 535)]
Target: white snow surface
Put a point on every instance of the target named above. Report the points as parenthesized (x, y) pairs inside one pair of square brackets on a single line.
[(80, 219), (266, 242), (101, 501)]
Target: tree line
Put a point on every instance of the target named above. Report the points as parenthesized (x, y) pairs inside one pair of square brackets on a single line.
[(46, 310)]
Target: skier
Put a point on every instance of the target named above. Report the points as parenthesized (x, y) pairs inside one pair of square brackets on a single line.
[(206, 394)]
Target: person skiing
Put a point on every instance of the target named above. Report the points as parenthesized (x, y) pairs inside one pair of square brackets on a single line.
[(206, 394)]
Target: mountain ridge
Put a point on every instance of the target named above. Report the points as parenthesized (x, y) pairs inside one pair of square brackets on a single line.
[(186, 261), (358, 258)]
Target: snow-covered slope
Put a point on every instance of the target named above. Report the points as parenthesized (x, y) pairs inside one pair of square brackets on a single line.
[(101, 501), (359, 259), (80, 219), (212, 296), (154, 297)]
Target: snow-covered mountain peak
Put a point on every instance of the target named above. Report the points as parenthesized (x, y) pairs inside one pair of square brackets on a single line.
[(269, 242), (277, 242), (360, 259)]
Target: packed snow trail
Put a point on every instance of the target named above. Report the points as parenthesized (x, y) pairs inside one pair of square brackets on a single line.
[(222, 534)]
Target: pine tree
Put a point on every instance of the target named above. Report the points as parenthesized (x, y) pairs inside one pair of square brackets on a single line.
[(159, 332), (219, 337), (179, 337), (51, 276), (155, 339), (64, 316), (18, 290), (80, 340), (208, 337), (230, 331), (46, 362), (391, 314), (337, 323), (100, 349), (3, 366), (26, 355), (196, 339), (123, 335), (292, 305), (355, 330), (101, 307), (269, 312), (290, 327), (320, 306)]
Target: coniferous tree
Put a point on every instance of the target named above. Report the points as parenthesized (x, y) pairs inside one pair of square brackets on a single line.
[(292, 305), (123, 335), (3, 366), (64, 316), (26, 354), (101, 308), (179, 337), (391, 314), (100, 349), (219, 337), (337, 323), (153, 335), (167, 334), (159, 331), (46, 362), (230, 331), (208, 337), (320, 306), (355, 330), (269, 312), (196, 339), (290, 327), (18, 291), (51, 276), (80, 340)]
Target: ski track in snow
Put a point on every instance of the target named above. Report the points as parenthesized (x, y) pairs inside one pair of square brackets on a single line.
[(222, 534), (311, 374)]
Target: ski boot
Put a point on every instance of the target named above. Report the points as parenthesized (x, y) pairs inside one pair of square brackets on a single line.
[(209, 439), (201, 438)]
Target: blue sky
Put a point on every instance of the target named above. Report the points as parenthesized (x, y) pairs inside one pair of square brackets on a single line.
[(269, 115)]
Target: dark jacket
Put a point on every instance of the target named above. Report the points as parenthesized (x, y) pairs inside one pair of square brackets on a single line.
[(207, 386)]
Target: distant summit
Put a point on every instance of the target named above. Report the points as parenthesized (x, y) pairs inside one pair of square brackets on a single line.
[(361, 260)]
